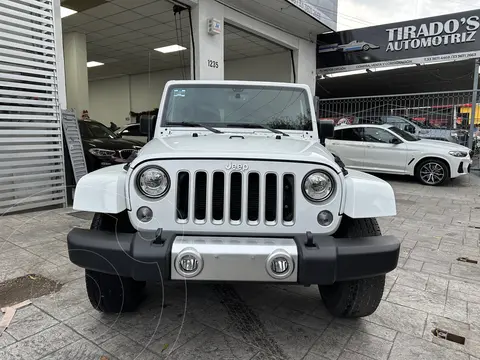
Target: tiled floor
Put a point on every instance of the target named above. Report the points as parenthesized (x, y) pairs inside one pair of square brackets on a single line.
[(430, 289)]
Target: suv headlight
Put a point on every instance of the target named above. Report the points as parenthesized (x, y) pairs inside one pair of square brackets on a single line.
[(318, 186), (153, 182), (101, 152), (458, 153)]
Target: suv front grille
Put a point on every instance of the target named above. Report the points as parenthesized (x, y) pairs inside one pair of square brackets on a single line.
[(235, 198)]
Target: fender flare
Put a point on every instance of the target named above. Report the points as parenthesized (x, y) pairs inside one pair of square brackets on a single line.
[(368, 196), (102, 191)]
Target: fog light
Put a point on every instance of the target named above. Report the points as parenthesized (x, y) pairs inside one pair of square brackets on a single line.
[(144, 214), (279, 264), (325, 218), (189, 263)]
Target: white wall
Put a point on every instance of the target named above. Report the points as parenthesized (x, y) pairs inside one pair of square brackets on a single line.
[(113, 99), (276, 67), (109, 100)]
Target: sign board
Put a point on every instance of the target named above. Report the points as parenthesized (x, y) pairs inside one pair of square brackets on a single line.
[(309, 8), (441, 38), (73, 140)]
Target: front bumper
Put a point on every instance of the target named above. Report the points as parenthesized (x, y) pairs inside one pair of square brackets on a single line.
[(148, 256), (461, 167)]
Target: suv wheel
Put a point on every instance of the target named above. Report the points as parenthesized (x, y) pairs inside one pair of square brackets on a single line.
[(113, 293), (432, 172), (355, 298)]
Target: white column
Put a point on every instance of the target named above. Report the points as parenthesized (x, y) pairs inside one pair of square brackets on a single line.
[(306, 63), (76, 74), (208, 59)]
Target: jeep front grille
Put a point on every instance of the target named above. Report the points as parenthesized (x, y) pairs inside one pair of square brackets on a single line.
[(236, 197)]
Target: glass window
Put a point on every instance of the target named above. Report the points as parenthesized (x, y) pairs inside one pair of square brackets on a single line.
[(350, 134), (224, 105), (132, 130), (403, 134), (377, 135), (95, 130)]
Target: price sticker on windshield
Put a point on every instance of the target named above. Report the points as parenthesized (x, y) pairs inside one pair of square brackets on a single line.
[(179, 92)]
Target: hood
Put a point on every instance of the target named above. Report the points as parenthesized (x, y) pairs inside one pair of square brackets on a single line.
[(439, 144), (259, 147), (111, 144)]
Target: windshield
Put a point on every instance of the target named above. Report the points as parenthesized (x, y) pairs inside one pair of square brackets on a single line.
[(94, 130), (222, 106), (405, 135)]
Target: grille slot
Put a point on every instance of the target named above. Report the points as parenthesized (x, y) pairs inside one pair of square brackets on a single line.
[(271, 197), (288, 197), (235, 196), (183, 181), (218, 196), (200, 195), (253, 196)]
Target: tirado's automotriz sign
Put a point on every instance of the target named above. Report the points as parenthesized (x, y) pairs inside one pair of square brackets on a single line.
[(448, 37)]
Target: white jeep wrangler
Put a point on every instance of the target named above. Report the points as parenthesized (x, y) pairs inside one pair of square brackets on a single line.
[(235, 186)]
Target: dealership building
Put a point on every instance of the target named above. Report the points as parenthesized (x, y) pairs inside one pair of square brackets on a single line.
[(111, 59)]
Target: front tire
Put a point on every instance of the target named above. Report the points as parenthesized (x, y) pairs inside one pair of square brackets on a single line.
[(354, 298), (113, 293), (432, 172)]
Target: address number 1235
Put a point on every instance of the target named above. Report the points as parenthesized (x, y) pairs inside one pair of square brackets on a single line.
[(212, 64)]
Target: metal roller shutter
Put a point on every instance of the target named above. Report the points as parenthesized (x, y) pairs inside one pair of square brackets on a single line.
[(31, 152)]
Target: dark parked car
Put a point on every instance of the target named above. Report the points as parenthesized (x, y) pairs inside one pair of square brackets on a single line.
[(102, 147)]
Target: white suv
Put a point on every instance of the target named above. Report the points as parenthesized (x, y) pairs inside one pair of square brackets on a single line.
[(235, 186), (387, 149)]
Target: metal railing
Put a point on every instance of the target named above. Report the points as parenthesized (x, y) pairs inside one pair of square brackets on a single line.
[(438, 116)]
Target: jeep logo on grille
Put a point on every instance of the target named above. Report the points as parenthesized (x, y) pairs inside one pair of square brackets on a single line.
[(236, 167)]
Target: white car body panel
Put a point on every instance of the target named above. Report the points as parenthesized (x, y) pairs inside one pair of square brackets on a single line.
[(368, 196), (352, 153), (381, 157), (102, 191), (113, 189)]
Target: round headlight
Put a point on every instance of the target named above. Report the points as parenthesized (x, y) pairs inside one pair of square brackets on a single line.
[(153, 182), (318, 186)]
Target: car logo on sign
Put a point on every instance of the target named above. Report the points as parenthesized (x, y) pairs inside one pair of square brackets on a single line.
[(236, 167)]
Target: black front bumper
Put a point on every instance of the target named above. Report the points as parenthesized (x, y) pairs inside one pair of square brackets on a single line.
[(141, 257)]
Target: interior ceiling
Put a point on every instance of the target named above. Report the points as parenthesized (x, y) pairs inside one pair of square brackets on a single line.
[(123, 33)]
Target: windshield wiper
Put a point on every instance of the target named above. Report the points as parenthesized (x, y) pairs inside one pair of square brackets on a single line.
[(192, 124), (256, 126)]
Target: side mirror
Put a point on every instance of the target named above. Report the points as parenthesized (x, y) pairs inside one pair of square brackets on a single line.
[(325, 130), (396, 141), (147, 125)]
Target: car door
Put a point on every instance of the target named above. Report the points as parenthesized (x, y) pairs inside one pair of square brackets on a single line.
[(348, 145), (382, 153)]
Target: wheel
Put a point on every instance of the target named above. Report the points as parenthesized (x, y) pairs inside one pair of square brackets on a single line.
[(113, 293), (432, 172), (366, 48), (355, 298)]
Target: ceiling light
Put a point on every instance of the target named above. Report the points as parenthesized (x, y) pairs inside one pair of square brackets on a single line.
[(94, 63), (170, 48), (64, 12)]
